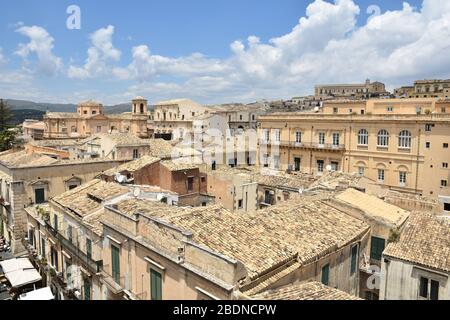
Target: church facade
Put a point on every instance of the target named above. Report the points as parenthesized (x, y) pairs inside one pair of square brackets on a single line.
[(90, 118)]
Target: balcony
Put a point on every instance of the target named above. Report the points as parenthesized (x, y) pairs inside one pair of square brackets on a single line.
[(305, 145), (92, 265)]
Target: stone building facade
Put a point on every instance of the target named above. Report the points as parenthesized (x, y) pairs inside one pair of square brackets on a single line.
[(90, 118)]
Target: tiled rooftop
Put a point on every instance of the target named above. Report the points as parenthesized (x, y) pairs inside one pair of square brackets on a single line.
[(132, 165), (179, 164), (54, 143), (87, 198), (374, 207), (20, 159), (424, 241), (123, 139), (273, 236), (305, 291)]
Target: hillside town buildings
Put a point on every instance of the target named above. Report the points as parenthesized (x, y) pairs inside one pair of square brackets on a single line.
[(355, 91), (399, 143), (345, 199)]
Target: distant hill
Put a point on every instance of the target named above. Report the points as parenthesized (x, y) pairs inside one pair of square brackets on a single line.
[(21, 115), (60, 107)]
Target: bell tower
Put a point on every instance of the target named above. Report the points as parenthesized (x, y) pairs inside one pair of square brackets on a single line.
[(139, 106)]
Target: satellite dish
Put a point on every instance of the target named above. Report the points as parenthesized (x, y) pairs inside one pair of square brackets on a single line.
[(316, 109), (328, 168), (120, 178), (136, 192)]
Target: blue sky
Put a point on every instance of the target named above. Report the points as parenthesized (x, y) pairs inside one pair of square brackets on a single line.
[(174, 48)]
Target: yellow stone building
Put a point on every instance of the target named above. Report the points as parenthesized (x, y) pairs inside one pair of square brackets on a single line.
[(400, 143), (90, 119)]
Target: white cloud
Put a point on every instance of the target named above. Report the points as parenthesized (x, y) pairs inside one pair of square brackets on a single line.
[(326, 45), (146, 66), (101, 52), (41, 43)]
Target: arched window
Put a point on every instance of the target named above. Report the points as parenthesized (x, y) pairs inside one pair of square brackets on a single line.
[(363, 137), (404, 139), (383, 138)]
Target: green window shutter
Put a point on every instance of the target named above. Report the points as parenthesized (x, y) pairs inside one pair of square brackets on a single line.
[(376, 248), (87, 290), (354, 259), (325, 274), (115, 261), (89, 248), (155, 285)]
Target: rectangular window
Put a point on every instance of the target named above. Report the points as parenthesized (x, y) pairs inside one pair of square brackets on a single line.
[(361, 171), (321, 138), (445, 165), (87, 289), (444, 183), (423, 289), (30, 237), (39, 194), (266, 135), (376, 248), (445, 145), (55, 222), (334, 166), (320, 165), (402, 178), (390, 109), (115, 263), (70, 233), (326, 274), (89, 248), (335, 110), (99, 129), (190, 184), (240, 204), (43, 253), (298, 137), (335, 139), (434, 290), (428, 127), (54, 258), (155, 285), (297, 164), (427, 145), (354, 259), (276, 162), (381, 175), (135, 154), (277, 135)]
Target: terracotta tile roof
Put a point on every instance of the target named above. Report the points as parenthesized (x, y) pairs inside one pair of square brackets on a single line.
[(179, 164), (132, 165), (424, 241), (273, 236), (21, 159), (305, 291), (374, 207), (88, 197), (147, 207), (54, 143), (123, 139)]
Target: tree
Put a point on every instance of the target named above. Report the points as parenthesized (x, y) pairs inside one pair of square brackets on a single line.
[(5, 115), (8, 139)]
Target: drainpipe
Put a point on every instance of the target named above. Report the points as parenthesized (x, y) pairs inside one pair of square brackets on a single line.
[(417, 160)]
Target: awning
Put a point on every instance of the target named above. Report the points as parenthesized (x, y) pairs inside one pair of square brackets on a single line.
[(16, 264), (20, 272), (21, 278), (40, 294)]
